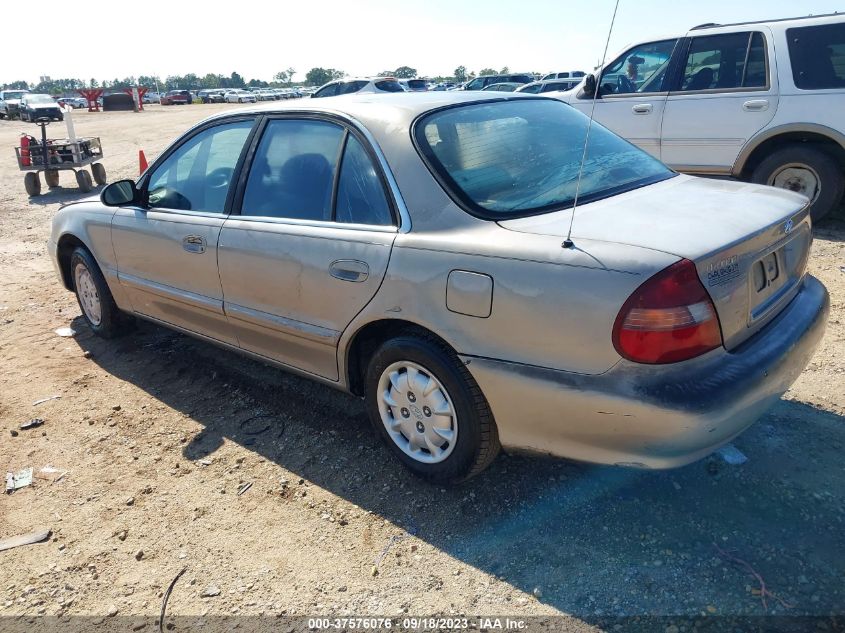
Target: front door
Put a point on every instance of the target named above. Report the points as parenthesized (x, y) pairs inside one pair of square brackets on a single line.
[(167, 250), (632, 94), (726, 93), (310, 246)]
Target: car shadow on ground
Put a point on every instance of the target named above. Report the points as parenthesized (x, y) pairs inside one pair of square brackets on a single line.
[(592, 541), (65, 193)]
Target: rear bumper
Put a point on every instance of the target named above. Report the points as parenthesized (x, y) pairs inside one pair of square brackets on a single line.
[(654, 416)]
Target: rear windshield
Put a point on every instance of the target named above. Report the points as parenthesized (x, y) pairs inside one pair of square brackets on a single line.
[(818, 56), (416, 84), (390, 85), (517, 158)]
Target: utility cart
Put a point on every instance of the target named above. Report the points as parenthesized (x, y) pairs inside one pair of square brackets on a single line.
[(54, 155)]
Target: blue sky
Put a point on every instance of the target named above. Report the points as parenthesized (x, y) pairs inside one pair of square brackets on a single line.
[(363, 37)]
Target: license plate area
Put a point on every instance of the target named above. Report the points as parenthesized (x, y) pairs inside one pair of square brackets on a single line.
[(774, 274)]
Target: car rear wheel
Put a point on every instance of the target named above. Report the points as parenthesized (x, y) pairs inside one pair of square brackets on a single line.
[(94, 297), (429, 410), (805, 170)]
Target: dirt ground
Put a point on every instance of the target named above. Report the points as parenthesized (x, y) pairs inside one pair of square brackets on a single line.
[(158, 434)]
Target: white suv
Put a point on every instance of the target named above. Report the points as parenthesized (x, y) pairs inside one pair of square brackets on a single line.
[(759, 101)]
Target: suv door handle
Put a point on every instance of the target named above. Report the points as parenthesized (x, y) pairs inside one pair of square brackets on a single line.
[(349, 270), (756, 105), (642, 108), (193, 243)]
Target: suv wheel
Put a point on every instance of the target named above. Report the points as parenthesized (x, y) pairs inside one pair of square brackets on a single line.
[(426, 406), (805, 170)]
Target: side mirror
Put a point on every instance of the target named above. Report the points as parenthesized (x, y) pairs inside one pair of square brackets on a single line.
[(590, 85), (120, 193)]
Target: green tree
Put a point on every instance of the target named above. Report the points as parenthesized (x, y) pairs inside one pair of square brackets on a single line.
[(487, 71), (505, 70), (236, 81), (460, 74), (320, 76), (405, 72)]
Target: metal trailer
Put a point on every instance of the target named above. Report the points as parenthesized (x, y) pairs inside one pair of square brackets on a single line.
[(54, 155)]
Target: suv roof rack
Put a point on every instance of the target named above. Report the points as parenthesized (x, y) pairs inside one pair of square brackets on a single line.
[(713, 25)]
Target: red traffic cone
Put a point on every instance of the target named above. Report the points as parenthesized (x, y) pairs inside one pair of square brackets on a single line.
[(142, 161)]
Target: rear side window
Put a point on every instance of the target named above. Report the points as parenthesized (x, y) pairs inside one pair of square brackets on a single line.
[(348, 87), (723, 62), (818, 56), (520, 79), (515, 158), (556, 85), (536, 88), (292, 173), (327, 91), (360, 195), (389, 85)]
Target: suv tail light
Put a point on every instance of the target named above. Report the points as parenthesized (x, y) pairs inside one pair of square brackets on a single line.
[(669, 318)]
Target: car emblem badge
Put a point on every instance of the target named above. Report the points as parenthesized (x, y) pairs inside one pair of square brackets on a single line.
[(787, 226)]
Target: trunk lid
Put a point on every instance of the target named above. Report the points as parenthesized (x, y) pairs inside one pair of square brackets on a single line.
[(749, 242)]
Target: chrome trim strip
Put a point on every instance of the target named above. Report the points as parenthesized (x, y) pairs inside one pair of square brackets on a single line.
[(172, 294), (290, 327)]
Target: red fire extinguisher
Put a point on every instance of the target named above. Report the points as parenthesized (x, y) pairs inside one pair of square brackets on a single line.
[(25, 156)]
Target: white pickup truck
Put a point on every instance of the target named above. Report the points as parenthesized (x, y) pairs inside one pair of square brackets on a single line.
[(10, 102), (759, 101)]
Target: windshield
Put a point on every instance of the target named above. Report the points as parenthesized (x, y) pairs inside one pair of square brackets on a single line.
[(40, 99), (516, 158), (390, 85)]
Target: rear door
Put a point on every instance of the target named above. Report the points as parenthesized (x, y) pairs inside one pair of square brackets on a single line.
[(725, 92), (311, 244), (166, 251), (632, 94)]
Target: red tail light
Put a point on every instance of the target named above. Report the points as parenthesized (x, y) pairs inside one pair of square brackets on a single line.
[(669, 318)]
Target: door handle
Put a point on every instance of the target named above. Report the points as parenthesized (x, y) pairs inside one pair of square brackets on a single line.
[(349, 270), (193, 243), (756, 105), (642, 108)]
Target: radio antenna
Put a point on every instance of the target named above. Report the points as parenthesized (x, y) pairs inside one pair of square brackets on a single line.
[(568, 243)]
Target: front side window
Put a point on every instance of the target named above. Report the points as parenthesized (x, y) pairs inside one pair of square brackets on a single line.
[(348, 87), (327, 91), (723, 62), (197, 175), (292, 174), (640, 70), (556, 85), (517, 158), (360, 195), (475, 84), (817, 54), (535, 88)]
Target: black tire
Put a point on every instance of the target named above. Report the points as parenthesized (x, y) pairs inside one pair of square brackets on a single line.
[(829, 172), (83, 181), (99, 173), (51, 177), (477, 442), (32, 183), (112, 321)]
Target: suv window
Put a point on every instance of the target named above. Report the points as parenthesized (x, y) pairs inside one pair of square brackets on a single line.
[(348, 87), (515, 158), (722, 62), (818, 56), (390, 85), (639, 70), (292, 173), (360, 195), (535, 88), (327, 91), (519, 79), (558, 85), (197, 175)]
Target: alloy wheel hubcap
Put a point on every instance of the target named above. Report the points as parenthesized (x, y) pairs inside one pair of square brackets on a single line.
[(417, 412), (89, 298), (798, 178)]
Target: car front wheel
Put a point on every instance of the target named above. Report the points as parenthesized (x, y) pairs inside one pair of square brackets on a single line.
[(805, 170), (429, 410), (94, 297)]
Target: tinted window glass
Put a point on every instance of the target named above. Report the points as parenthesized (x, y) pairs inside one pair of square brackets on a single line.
[(349, 87), (515, 158), (818, 56), (475, 84), (519, 79), (327, 91), (360, 195), (641, 69), (390, 86), (197, 175), (535, 89), (719, 62), (293, 170), (417, 84), (556, 85)]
